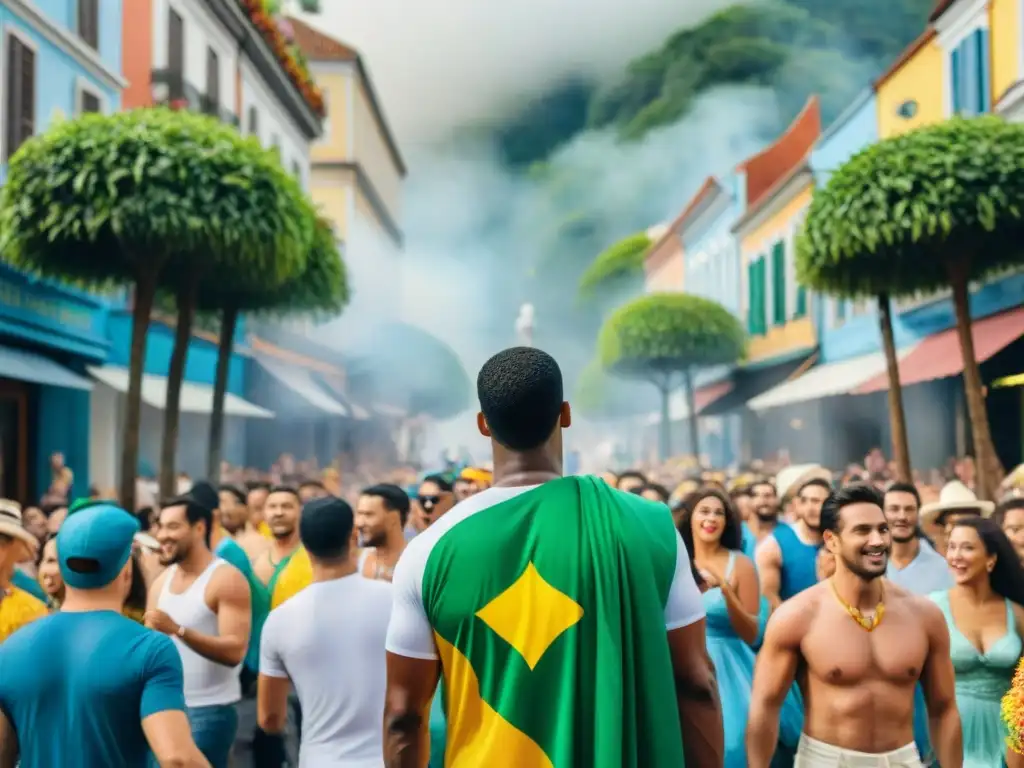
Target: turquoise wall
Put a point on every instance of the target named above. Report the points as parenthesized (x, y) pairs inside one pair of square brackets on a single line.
[(200, 366)]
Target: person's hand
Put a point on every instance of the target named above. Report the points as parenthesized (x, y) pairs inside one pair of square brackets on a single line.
[(161, 622), (709, 578)]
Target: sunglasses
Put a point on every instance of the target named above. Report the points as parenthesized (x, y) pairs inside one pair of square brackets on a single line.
[(428, 502)]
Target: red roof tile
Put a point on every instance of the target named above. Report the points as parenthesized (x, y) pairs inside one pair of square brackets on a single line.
[(765, 169)]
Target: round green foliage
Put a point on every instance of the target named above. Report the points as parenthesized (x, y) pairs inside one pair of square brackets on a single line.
[(112, 198), (896, 215), (320, 290), (431, 378), (663, 333), (622, 259)]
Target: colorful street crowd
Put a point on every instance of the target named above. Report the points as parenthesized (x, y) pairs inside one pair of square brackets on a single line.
[(811, 621)]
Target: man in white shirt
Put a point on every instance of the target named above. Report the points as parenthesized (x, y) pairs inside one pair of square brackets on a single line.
[(328, 641)]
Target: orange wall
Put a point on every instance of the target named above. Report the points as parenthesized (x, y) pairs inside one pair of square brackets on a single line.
[(137, 53)]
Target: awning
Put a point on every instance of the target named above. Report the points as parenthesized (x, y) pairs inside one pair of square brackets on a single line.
[(678, 410), (36, 369), (299, 381), (195, 398), (826, 380), (939, 356)]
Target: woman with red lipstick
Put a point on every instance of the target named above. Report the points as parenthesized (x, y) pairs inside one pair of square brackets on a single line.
[(985, 614), (710, 527)]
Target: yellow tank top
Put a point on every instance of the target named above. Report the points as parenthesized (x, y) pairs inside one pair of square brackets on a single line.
[(17, 609), (296, 576), (264, 530)]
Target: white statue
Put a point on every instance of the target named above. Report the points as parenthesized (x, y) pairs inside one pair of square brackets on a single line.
[(524, 325)]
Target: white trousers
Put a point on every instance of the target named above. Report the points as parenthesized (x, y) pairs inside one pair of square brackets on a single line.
[(817, 754)]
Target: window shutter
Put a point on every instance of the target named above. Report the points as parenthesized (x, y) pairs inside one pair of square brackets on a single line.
[(801, 302), (752, 298), (89, 22), (982, 79), (954, 81), (254, 121), (175, 43), (21, 94), (779, 283)]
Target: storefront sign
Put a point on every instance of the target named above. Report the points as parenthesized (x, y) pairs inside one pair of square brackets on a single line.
[(64, 317)]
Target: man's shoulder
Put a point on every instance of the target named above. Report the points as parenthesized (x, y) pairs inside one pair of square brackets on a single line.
[(799, 610)]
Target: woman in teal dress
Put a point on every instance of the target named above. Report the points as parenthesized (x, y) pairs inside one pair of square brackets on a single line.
[(985, 614), (736, 615)]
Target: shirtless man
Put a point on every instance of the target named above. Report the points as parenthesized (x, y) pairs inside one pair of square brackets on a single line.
[(281, 511), (861, 645), (234, 518), (380, 519)]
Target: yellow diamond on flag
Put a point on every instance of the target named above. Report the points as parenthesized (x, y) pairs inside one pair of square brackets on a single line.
[(530, 615)]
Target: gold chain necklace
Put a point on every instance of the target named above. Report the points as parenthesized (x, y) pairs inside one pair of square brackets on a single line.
[(867, 623)]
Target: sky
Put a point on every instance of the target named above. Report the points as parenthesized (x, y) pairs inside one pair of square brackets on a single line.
[(438, 65)]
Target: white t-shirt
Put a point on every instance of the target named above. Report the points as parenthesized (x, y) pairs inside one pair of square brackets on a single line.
[(410, 633), (329, 640)]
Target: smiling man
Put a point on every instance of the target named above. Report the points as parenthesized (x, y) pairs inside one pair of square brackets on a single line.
[(862, 645), (913, 563)]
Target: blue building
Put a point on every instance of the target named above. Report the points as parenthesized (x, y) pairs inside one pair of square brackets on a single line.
[(712, 269), (60, 58)]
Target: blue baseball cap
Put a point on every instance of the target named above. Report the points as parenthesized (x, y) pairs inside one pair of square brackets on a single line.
[(98, 539)]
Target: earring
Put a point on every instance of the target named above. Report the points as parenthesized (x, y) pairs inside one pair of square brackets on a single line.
[(990, 567)]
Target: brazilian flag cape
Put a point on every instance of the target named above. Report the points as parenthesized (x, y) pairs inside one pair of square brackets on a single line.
[(548, 613)]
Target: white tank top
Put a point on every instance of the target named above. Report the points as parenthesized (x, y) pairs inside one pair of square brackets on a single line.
[(207, 683)]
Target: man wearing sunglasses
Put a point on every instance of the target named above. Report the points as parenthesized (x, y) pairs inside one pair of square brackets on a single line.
[(434, 498)]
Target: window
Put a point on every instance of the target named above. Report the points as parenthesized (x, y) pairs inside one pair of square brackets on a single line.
[(801, 303), (325, 131), (254, 122), (756, 304), (20, 83), (212, 78), (779, 283), (175, 43), (88, 102), (969, 74), (89, 22)]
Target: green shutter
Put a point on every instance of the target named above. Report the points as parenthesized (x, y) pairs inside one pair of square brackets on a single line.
[(752, 298), (801, 303), (762, 296), (779, 283)]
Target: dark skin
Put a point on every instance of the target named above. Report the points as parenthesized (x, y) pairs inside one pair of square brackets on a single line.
[(411, 682)]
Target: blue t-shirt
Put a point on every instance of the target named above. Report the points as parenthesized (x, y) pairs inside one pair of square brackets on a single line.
[(76, 687)]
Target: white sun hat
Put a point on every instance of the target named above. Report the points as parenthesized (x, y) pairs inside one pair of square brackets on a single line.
[(955, 497), (790, 480)]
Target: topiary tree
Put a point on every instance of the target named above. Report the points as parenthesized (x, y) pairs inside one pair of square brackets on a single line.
[(664, 338), (616, 265), (435, 383), (935, 208), (319, 291), (139, 198)]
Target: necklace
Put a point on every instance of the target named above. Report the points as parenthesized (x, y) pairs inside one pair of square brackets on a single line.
[(867, 623)]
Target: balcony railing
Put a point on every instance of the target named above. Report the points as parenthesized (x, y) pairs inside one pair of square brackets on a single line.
[(171, 88)]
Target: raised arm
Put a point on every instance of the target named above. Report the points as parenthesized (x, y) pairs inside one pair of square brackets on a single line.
[(413, 669), (773, 676), (768, 557), (937, 680)]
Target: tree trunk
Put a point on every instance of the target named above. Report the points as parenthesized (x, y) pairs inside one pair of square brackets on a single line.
[(228, 323), (990, 469), (665, 426), (186, 301), (897, 416), (691, 407), (142, 308)]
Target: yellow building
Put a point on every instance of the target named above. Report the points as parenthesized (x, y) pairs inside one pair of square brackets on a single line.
[(779, 185), (969, 61), (357, 171)]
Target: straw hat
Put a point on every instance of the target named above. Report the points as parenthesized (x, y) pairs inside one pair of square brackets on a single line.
[(12, 525), (955, 497), (790, 480)]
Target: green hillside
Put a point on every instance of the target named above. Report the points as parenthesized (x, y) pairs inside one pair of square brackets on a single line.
[(795, 47)]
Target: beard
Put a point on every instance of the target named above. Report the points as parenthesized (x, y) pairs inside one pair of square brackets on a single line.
[(865, 572), (178, 554), (282, 533), (373, 539), (901, 539), (766, 514)]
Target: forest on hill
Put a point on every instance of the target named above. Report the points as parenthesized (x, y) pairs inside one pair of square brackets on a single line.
[(794, 47)]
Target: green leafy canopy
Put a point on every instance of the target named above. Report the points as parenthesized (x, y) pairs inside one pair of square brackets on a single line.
[(624, 258), (664, 333), (894, 217), (110, 198)]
